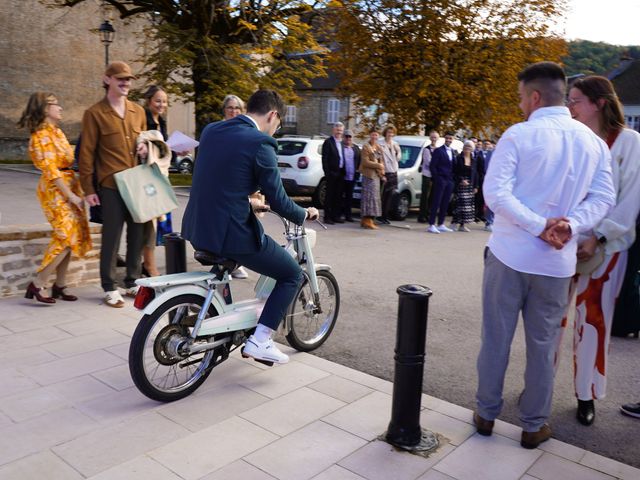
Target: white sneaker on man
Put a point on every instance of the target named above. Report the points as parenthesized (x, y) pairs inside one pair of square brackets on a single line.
[(267, 351), (462, 228), (131, 291), (114, 299), (444, 228), (240, 273), (433, 229)]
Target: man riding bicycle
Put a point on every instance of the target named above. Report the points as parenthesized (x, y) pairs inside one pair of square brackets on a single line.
[(235, 159)]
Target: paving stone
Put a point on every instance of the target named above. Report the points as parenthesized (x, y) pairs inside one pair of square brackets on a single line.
[(231, 440), (305, 453), (108, 447), (368, 417), (550, 467), (43, 465), (488, 458), (292, 411)]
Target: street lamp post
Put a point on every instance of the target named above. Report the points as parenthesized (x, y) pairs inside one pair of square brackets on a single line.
[(107, 32)]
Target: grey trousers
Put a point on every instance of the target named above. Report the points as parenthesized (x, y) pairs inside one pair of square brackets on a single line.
[(543, 302), (114, 215)]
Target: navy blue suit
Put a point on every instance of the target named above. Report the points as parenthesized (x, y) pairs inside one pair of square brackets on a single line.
[(442, 184), (235, 159)]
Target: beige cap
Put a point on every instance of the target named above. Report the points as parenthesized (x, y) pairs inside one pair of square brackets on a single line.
[(348, 133), (119, 70)]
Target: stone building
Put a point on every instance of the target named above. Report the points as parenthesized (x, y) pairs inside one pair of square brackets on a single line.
[(319, 108), (59, 50), (626, 81)]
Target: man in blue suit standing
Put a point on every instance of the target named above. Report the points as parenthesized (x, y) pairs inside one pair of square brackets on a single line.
[(236, 158), (441, 167)]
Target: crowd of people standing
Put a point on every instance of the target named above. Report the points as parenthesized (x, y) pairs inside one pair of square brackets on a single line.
[(566, 230)]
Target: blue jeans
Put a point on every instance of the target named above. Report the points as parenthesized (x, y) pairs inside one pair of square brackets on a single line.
[(273, 261)]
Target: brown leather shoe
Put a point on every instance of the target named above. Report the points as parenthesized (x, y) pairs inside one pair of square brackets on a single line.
[(484, 427), (531, 440)]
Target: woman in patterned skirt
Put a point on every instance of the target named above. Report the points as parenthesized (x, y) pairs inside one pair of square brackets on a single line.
[(465, 178), (372, 170), (602, 254), (59, 193)]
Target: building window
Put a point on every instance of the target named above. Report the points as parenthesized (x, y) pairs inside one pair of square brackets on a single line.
[(633, 122), (290, 118), (333, 111)]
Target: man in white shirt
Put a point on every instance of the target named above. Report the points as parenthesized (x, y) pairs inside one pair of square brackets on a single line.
[(548, 181)]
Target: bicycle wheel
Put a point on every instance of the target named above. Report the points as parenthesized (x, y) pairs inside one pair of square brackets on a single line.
[(309, 329), (156, 365)]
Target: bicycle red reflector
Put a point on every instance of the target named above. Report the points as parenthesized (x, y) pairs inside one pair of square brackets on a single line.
[(144, 297)]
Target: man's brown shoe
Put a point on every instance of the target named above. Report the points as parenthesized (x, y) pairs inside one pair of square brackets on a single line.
[(531, 440), (484, 427)]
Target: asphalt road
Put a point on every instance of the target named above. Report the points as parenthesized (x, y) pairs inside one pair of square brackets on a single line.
[(370, 265)]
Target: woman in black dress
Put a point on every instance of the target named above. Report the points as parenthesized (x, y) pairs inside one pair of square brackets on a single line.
[(465, 177)]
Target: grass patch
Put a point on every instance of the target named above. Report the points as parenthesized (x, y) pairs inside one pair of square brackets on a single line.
[(180, 179), (15, 162)]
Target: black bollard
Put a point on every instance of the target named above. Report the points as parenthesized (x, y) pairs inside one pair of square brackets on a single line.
[(175, 253), (404, 429)]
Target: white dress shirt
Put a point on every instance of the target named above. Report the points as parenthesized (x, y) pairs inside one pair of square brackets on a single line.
[(426, 160), (549, 166)]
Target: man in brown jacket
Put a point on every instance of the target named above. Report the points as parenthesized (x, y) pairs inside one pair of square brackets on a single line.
[(109, 132)]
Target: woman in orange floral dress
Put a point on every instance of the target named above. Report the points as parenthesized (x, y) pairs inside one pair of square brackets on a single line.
[(59, 193)]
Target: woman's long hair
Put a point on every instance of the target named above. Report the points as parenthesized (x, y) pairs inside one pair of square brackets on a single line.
[(597, 88), (151, 91), (35, 113)]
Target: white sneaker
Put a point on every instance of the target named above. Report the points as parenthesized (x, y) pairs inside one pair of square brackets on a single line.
[(131, 291), (240, 273), (488, 228), (444, 228), (462, 228), (267, 351), (433, 229), (113, 299)]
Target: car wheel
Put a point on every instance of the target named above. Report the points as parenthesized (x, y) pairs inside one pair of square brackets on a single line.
[(400, 205), (185, 166), (320, 194)]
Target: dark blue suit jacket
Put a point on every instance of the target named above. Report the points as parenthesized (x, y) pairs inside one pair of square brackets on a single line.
[(441, 167), (235, 159)]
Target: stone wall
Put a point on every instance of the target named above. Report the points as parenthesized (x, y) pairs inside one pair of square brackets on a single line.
[(59, 51), (21, 251)]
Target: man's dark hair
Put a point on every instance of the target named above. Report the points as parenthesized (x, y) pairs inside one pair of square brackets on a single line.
[(449, 134), (548, 78), (265, 101)]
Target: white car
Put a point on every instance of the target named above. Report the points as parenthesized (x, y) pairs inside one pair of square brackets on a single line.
[(300, 163), (409, 173)]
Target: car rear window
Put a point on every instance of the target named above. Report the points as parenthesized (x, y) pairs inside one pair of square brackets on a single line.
[(409, 155), (290, 147)]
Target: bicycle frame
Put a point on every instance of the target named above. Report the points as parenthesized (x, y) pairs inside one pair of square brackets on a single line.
[(237, 316)]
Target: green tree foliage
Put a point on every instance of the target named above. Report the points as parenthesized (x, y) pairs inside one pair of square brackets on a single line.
[(202, 50), (595, 57), (442, 63)]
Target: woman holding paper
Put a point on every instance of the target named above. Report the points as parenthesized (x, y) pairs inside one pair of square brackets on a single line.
[(156, 102)]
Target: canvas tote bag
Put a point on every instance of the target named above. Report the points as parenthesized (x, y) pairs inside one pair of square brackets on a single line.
[(146, 192)]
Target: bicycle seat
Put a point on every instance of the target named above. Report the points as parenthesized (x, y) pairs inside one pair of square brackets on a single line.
[(209, 259)]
